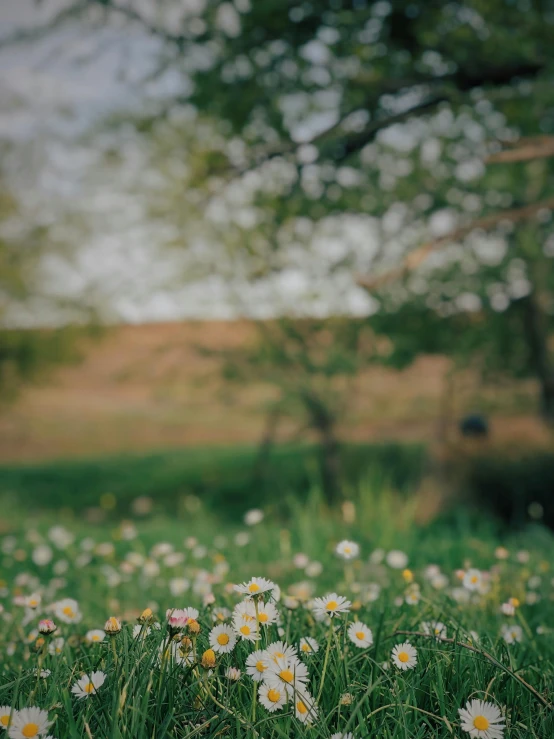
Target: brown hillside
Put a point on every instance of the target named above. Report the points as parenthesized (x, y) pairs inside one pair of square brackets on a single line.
[(145, 387)]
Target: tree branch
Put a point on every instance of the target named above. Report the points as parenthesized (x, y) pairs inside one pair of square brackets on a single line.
[(418, 256)]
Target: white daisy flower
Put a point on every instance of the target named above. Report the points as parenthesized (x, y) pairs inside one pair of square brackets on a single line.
[(340, 735), (95, 635), (267, 614), (88, 685), (45, 673), (253, 517), (360, 634), (33, 601), (222, 639), (289, 674), (472, 579), (221, 614), (140, 630), (245, 630), (272, 698), (331, 605), (436, 628), (28, 723), (6, 713), (257, 664), (67, 610), (482, 719), (305, 708), (347, 549), (279, 649), (413, 596), (512, 633), (56, 645), (404, 656), (308, 645), (191, 613), (255, 586), (397, 560)]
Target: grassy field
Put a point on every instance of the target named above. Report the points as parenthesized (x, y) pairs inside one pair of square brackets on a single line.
[(488, 594)]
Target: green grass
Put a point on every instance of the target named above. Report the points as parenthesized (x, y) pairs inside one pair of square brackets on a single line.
[(141, 699), (223, 477)]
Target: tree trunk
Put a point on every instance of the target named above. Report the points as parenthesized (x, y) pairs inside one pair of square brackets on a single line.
[(322, 419), (536, 335)]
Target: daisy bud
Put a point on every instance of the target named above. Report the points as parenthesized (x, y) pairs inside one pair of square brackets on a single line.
[(112, 626), (176, 619), (408, 576), (346, 699), (193, 626), (146, 616), (208, 659), (40, 642), (46, 627), (186, 644), (514, 602)]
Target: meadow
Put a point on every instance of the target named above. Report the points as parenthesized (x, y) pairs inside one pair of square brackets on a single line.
[(299, 620)]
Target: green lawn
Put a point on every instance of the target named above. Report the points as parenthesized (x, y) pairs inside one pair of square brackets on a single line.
[(176, 561)]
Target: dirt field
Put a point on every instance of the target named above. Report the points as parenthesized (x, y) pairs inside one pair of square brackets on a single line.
[(147, 387)]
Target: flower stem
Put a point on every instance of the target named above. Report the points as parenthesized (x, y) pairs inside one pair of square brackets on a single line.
[(326, 660)]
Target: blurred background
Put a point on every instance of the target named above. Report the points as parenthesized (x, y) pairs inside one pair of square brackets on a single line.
[(249, 248)]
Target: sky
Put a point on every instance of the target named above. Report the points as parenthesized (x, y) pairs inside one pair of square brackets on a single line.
[(55, 89)]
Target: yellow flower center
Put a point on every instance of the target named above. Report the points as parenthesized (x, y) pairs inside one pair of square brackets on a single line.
[(263, 617), (245, 630), (474, 579), (30, 730), (306, 648), (286, 675), (360, 635), (68, 612), (5, 719), (481, 723), (347, 550), (253, 587), (89, 688), (278, 655), (274, 695), (223, 639), (95, 637), (403, 656), (332, 605), (33, 603), (260, 666), (301, 708)]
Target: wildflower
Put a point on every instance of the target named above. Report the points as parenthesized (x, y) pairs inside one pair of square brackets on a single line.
[(246, 631), (279, 649), (95, 635), (45, 673), (193, 626), (56, 645), (255, 586), (413, 596), (176, 619), (397, 559), (208, 659), (146, 616), (253, 517), (28, 723), (141, 630), (5, 716), (472, 579), (67, 610), (482, 719), (308, 645), (404, 656), (501, 553), (507, 609), (304, 707), (347, 549), (112, 626), (346, 699), (87, 685), (287, 673), (271, 698), (436, 628), (33, 601), (408, 576), (331, 605), (360, 635), (340, 735), (222, 639), (46, 626), (221, 614), (512, 634), (257, 664), (232, 673)]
